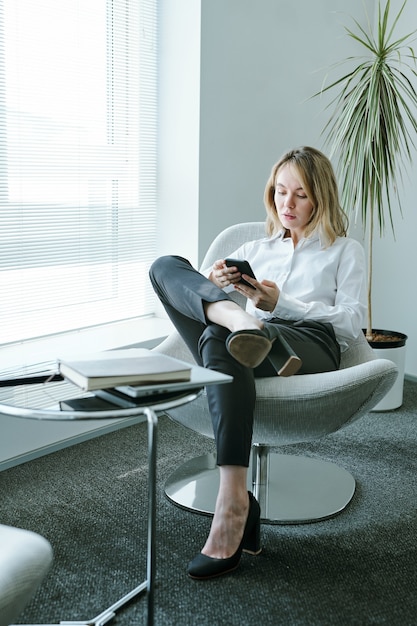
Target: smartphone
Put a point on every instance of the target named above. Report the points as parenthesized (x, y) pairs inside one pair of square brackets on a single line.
[(244, 268)]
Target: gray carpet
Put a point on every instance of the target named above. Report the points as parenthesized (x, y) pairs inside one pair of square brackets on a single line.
[(359, 567)]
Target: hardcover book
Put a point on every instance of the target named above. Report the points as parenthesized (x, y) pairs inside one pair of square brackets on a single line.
[(134, 366)]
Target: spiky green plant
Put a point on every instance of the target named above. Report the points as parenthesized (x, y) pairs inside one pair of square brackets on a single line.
[(370, 129)]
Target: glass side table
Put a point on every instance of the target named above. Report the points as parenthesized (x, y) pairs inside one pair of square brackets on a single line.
[(42, 401)]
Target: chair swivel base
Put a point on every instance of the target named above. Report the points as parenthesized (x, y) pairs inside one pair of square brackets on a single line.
[(297, 489)]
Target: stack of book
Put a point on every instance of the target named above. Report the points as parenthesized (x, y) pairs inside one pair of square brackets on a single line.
[(121, 378), (133, 366)]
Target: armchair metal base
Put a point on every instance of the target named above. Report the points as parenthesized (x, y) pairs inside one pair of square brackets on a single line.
[(290, 489)]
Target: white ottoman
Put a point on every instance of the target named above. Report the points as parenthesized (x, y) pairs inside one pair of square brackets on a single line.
[(25, 558)]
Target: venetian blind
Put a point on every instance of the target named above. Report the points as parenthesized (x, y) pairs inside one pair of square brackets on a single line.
[(78, 84)]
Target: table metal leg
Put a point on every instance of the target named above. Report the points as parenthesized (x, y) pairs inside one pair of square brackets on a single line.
[(152, 419), (147, 585)]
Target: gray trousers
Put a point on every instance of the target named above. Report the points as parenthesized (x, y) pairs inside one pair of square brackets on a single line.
[(183, 292)]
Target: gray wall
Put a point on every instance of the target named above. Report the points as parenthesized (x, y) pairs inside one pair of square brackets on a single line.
[(260, 63), (235, 87)]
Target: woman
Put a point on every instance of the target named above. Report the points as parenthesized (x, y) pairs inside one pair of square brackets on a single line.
[(305, 305)]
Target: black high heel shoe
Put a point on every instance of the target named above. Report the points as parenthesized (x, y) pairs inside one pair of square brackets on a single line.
[(203, 567), (251, 347), (285, 361)]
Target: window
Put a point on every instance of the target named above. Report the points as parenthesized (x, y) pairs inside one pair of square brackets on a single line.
[(78, 87)]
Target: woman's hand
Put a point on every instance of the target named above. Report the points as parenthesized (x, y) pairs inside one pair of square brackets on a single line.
[(264, 296), (222, 275)]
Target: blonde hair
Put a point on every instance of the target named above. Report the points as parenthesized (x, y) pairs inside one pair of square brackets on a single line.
[(318, 180)]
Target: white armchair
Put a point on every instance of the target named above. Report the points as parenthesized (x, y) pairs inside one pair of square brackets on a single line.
[(25, 558), (289, 488)]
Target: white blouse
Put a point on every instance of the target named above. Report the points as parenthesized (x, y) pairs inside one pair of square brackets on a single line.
[(326, 284)]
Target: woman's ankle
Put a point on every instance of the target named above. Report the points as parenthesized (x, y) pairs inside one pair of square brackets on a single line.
[(230, 315), (227, 527)]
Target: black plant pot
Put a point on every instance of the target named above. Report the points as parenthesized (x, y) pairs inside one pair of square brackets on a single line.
[(388, 342)]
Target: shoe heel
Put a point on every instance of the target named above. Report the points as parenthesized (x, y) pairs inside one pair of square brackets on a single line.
[(285, 361), (290, 367), (252, 543)]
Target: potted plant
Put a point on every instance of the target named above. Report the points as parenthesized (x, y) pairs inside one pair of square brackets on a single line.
[(370, 132)]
